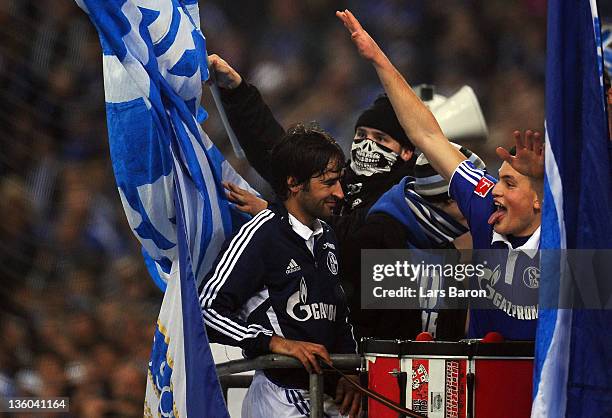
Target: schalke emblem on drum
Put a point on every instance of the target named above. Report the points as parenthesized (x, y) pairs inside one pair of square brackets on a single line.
[(332, 263)]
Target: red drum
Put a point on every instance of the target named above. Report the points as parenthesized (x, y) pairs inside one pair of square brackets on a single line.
[(451, 380)]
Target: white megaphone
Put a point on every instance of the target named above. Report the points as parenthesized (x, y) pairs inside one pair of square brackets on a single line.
[(459, 116)]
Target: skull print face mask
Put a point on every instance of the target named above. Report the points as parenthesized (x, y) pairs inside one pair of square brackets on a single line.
[(369, 157)]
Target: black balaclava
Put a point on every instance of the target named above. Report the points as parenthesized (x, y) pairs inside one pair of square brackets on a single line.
[(374, 168)]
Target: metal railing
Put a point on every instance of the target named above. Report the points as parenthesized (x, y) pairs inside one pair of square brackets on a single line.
[(226, 371)]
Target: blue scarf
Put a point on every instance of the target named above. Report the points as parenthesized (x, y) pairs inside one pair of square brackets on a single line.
[(427, 226)]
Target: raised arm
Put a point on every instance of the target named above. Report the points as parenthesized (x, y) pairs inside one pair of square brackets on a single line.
[(250, 117), (416, 119), (224, 75)]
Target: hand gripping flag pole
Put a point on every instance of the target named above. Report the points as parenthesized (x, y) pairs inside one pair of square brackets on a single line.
[(216, 94)]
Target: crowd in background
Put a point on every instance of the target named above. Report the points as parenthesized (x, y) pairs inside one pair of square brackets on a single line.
[(77, 308)]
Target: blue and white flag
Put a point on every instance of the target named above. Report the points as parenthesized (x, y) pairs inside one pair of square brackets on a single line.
[(573, 369), (606, 44), (169, 175)]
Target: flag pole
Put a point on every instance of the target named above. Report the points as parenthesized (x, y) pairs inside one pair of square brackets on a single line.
[(216, 94)]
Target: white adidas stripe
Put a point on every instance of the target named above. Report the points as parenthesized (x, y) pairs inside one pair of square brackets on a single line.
[(459, 171), (210, 322), (221, 320), (244, 230), (478, 173), (227, 331), (253, 303), (274, 321), (466, 176), (216, 321), (222, 271), (232, 256)]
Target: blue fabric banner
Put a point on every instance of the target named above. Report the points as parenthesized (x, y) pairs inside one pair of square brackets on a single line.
[(573, 371), (169, 176)]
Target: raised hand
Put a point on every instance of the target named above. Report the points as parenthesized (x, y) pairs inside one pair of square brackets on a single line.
[(225, 76), (529, 158), (244, 200), (304, 351), (367, 47)]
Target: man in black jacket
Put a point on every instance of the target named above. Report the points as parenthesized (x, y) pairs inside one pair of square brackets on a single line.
[(275, 286)]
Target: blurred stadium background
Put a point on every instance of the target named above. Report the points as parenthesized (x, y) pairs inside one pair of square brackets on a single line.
[(77, 307)]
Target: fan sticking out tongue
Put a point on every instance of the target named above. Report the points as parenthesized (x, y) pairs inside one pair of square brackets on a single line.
[(497, 215)]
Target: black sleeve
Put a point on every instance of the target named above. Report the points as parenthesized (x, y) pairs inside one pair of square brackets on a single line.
[(347, 225), (237, 274), (254, 125), (380, 231), (345, 344), (346, 339)]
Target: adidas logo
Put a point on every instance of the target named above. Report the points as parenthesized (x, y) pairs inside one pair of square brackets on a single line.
[(292, 267)]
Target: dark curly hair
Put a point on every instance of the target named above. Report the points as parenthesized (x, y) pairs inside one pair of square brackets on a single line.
[(303, 153)]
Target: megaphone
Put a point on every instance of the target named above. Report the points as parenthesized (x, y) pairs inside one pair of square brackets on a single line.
[(459, 116)]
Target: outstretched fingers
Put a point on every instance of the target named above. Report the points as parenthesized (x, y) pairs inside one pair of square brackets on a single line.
[(503, 154), (518, 140), (345, 20), (529, 157), (538, 143), (349, 20), (353, 22), (529, 140)]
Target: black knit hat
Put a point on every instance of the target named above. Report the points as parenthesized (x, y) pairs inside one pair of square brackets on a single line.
[(381, 116)]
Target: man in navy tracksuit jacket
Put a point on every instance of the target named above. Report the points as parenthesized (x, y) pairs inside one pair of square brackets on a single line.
[(275, 286)]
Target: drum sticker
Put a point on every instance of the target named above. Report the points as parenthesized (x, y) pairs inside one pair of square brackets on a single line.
[(420, 385), (455, 389), (436, 401)]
